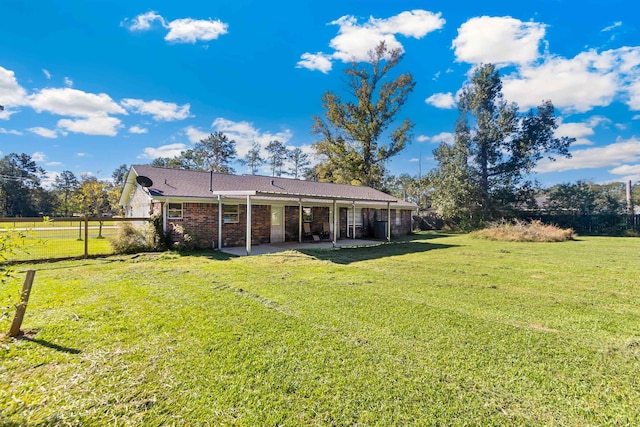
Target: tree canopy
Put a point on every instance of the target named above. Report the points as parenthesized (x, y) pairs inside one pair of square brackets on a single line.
[(20, 190), (355, 139), (486, 170)]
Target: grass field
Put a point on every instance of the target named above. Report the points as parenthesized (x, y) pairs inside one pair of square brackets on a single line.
[(440, 330), (59, 239)]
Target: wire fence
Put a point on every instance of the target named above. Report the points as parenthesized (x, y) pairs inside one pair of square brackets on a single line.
[(604, 224), (36, 239)]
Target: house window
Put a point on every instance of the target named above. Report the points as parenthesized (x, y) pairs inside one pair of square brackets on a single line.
[(398, 217), (358, 218), (307, 214), (174, 211), (230, 214)]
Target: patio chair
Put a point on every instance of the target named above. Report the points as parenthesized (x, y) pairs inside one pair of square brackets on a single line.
[(326, 231), (306, 231)]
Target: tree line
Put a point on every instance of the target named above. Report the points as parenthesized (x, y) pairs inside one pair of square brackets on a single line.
[(22, 193), (486, 172), (217, 152)]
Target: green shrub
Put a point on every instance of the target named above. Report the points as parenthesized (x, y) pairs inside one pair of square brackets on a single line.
[(132, 239), (185, 242), (162, 241), (520, 231)]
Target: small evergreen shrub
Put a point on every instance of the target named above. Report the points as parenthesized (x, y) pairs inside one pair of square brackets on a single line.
[(520, 231)]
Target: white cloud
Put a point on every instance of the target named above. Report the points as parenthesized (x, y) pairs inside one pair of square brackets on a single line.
[(616, 154), (612, 27), (138, 129), (315, 61), (94, 125), (574, 130), (38, 156), (354, 41), (68, 82), (501, 40), (579, 131), (195, 135), (446, 137), (11, 93), (160, 110), (626, 170), (44, 132), (46, 73), (53, 163), (10, 132), (74, 103), (81, 154), (590, 79), (441, 100), (634, 95), (191, 30), (245, 134), (184, 30), (170, 150), (144, 21)]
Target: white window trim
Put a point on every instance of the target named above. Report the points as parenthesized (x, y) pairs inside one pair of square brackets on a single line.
[(227, 217), (169, 215)]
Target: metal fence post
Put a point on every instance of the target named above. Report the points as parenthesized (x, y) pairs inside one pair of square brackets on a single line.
[(86, 237)]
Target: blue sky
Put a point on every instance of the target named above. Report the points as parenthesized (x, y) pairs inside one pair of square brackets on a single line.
[(90, 85)]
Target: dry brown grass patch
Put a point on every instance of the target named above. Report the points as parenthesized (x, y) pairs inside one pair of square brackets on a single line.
[(521, 231)]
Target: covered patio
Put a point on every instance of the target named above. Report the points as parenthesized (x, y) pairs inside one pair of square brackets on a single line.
[(270, 248)]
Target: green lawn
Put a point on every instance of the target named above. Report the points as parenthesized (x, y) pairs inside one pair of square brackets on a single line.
[(441, 330), (64, 239)]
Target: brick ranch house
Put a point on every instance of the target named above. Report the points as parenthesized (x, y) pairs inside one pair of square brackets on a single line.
[(223, 210)]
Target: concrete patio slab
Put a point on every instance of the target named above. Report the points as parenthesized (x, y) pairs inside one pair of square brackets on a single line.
[(270, 248)]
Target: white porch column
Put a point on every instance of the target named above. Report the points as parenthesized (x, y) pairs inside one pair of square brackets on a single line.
[(299, 220), (388, 221), (335, 222), (219, 222), (248, 224), (165, 207), (353, 224)]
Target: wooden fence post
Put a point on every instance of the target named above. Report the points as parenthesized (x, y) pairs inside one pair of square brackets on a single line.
[(22, 307)]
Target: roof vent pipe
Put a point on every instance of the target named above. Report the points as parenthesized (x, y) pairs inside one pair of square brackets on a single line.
[(273, 182)]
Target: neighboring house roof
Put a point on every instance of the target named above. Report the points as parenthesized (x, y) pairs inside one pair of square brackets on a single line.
[(182, 183)]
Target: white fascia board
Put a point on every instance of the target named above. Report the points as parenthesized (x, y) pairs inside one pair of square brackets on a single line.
[(234, 193)]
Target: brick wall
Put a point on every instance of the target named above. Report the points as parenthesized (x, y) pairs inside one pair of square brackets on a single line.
[(200, 221), (236, 234)]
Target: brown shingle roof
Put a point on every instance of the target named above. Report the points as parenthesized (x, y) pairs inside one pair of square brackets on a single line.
[(201, 184)]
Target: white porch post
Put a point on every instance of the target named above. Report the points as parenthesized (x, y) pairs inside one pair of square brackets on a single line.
[(165, 207), (335, 222), (388, 221), (299, 220), (248, 224), (219, 222), (353, 224)]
